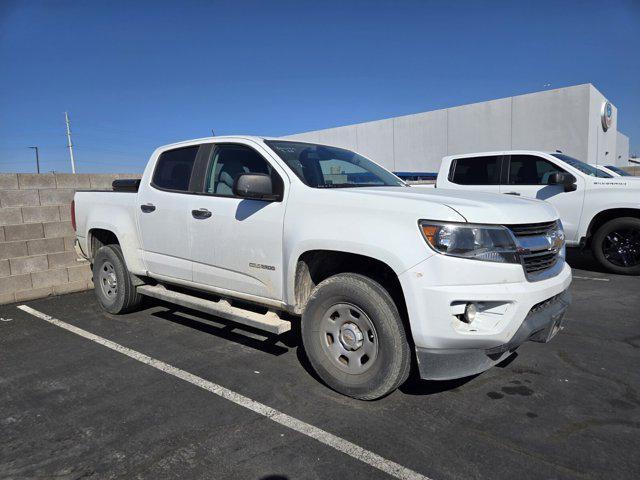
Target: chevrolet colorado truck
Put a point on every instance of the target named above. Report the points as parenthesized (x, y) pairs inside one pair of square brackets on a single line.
[(381, 276), (599, 211)]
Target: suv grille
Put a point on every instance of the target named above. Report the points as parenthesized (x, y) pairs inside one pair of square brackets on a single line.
[(531, 229), (540, 255)]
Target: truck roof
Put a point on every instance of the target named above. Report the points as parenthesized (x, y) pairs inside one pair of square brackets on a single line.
[(255, 138), (217, 138), (500, 152)]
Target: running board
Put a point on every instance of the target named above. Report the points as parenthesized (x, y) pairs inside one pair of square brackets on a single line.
[(270, 321)]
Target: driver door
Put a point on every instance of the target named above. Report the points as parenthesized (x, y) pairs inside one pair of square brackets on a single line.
[(528, 176), (237, 246)]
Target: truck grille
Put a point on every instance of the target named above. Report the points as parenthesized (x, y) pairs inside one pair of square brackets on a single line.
[(532, 237), (537, 262), (532, 229)]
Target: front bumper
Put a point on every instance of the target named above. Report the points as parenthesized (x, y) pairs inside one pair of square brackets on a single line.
[(511, 311), (540, 325)]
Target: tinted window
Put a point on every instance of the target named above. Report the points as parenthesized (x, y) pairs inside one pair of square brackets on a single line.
[(173, 170), (321, 166), (619, 171), (530, 170), (477, 171), (581, 166), (228, 162)]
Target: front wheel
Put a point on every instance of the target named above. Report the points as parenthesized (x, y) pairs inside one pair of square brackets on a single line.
[(616, 245), (354, 337), (112, 282)]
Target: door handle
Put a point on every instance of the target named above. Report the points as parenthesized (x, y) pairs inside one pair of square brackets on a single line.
[(148, 207), (512, 193), (201, 213)]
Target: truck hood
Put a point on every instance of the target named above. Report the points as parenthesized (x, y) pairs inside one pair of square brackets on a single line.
[(475, 207)]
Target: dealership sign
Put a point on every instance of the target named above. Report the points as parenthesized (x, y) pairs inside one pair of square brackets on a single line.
[(606, 115)]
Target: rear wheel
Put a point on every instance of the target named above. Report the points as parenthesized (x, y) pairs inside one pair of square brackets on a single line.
[(616, 245), (112, 282), (354, 337)]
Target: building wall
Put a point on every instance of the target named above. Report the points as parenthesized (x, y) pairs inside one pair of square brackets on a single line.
[(562, 119), (622, 150), (602, 145), (37, 257), (552, 120)]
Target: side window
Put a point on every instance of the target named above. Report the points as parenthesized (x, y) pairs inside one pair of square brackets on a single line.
[(476, 171), (530, 170), (229, 161), (174, 167)]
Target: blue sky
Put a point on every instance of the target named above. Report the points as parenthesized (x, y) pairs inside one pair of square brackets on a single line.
[(134, 75)]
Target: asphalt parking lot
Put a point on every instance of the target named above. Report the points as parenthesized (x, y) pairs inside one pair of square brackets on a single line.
[(71, 407)]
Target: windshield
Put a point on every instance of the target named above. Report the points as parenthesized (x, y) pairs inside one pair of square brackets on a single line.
[(583, 167), (619, 171), (320, 166)]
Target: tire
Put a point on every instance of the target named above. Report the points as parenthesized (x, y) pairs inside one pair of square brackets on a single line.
[(367, 361), (617, 243), (112, 282)]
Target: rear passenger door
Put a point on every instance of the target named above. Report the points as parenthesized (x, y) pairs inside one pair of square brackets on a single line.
[(480, 173), (164, 206), (238, 248)]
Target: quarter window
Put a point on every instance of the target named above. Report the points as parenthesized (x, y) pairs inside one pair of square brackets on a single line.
[(530, 170), (477, 170), (174, 167), (231, 160)]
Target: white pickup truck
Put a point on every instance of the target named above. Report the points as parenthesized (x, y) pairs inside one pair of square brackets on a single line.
[(598, 210), (381, 275)]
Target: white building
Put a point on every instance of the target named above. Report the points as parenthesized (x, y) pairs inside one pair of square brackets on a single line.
[(577, 120)]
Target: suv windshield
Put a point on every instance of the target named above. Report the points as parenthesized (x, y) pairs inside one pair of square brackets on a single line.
[(320, 166), (583, 167), (619, 171)]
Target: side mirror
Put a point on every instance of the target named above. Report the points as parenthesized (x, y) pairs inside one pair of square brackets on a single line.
[(257, 186), (565, 179)]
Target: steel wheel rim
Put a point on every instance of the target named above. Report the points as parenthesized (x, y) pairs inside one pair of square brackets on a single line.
[(348, 338), (108, 280), (622, 247)]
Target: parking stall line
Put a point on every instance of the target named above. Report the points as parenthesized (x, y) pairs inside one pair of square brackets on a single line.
[(578, 277), (366, 456)]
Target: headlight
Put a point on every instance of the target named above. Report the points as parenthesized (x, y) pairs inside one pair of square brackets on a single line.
[(490, 243)]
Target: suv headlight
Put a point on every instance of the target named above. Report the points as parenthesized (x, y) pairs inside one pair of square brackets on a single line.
[(491, 243)]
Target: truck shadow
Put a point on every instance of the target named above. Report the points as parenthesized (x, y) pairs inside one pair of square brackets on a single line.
[(583, 259), (225, 329), (279, 344), (416, 386)]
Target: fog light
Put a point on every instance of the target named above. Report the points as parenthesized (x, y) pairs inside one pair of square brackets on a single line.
[(470, 312)]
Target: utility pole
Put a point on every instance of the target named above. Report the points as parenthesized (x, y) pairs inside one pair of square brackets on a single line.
[(69, 144), (37, 159)]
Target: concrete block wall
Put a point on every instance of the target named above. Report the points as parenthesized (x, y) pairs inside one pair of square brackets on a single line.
[(37, 257)]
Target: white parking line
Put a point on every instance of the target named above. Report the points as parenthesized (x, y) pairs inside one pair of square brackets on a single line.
[(592, 278), (340, 444)]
